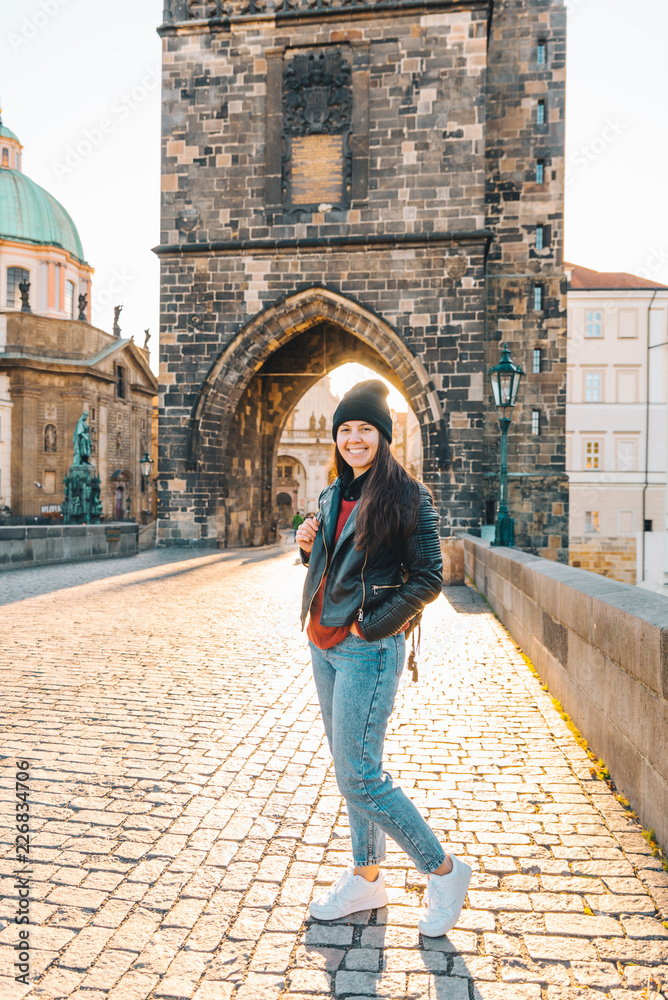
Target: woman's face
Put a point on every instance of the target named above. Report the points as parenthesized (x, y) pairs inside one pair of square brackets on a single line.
[(357, 442)]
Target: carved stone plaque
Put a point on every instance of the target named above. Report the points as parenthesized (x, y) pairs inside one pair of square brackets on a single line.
[(317, 169), (317, 103)]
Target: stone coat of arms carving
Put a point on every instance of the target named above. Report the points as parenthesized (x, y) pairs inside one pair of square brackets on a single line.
[(317, 93)]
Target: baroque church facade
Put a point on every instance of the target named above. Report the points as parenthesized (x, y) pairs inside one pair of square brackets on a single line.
[(376, 182), (54, 364)]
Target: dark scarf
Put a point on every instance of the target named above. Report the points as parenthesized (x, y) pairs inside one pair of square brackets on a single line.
[(352, 488)]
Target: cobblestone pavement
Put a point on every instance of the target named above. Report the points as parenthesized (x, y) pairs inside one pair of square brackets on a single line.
[(184, 807)]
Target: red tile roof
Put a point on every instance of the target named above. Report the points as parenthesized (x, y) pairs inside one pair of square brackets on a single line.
[(583, 278)]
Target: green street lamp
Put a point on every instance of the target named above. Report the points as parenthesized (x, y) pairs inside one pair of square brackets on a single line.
[(505, 378), (146, 464)]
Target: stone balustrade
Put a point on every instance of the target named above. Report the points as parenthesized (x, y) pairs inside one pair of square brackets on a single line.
[(181, 11), (41, 544), (602, 649)]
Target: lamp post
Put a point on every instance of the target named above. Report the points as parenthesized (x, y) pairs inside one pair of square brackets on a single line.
[(505, 378), (146, 464)]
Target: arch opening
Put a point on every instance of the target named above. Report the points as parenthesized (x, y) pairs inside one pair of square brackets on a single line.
[(254, 390)]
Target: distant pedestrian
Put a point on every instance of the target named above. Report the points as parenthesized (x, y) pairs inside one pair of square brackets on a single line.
[(297, 520), (374, 561)]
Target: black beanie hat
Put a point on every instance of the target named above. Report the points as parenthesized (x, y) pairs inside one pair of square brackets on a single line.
[(365, 401)]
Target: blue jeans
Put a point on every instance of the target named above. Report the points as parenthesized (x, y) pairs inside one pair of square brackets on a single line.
[(357, 682)]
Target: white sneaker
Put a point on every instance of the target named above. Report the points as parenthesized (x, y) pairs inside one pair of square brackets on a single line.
[(350, 894), (444, 900)]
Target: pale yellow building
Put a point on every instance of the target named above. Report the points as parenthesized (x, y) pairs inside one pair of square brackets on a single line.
[(616, 428)]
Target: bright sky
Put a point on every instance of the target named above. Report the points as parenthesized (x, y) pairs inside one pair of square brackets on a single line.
[(67, 66), (345, 377)]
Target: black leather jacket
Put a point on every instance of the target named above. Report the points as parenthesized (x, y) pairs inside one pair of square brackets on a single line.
[(383, 590)]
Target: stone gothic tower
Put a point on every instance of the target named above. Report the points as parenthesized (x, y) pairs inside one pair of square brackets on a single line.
[(382, 182)]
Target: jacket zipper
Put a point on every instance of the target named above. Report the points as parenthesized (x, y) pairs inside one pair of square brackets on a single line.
[(384, 586), (324, 572), (360, 616)]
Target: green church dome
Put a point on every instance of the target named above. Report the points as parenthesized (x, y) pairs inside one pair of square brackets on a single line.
[(29, 214), (6, 133)]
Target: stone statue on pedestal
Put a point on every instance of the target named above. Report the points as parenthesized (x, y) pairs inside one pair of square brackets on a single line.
[(82, 503), (81, 439), (116, 330), (83, 302), (24, 288)]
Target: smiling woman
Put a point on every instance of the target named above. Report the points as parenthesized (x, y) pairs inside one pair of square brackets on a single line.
[(374, 561), (357, 441)]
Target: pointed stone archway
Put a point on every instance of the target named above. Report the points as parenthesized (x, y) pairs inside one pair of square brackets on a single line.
[(257, 380)]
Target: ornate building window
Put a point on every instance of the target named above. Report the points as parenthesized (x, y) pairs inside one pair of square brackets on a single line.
[(69, 299), (120, 382), (591, 521), (593, 323), (535, 422), (50, 438), (5, 157), (15, 275), (541, 53), (540, 171), (537, 360), (540, 237), (538, 297), (541, 113), (592, 455), (593, 387)]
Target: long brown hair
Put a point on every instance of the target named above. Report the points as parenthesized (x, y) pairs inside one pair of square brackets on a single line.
[(389, 506)]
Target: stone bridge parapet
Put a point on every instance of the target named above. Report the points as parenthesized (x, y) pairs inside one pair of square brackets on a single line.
[(602, 649)]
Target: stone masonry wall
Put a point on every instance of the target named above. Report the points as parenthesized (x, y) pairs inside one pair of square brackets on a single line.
[(516, 142), (410, 248), (612, 557)]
